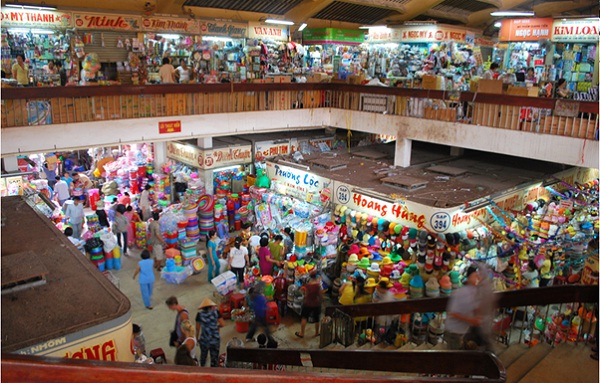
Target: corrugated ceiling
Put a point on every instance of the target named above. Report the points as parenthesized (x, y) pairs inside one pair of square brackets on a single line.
[(439, 20), (353, 13), (275, 7), (464, 5)]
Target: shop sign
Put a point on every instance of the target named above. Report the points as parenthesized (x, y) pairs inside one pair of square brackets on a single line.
[(418, 34), (525, 29), (14, 185), (169, 24), (333, 36), (576, 31), (482, 41), (269, 149), (209, 158), (267, 32), (24, 18), (165, 127), (226, 29), (107, 21), (298, 183)]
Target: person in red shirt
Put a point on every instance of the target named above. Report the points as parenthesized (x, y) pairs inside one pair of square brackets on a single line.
[(311, 305)]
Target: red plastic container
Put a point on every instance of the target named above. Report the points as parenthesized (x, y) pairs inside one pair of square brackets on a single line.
[(242, 327)]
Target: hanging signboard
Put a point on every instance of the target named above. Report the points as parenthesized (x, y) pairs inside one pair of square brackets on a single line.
[(223, 28), (270, 149), (298, 183), (165, 127), (208, 158), (525, 29), (25, 18), (267, 32), (170, 24), (333, 36), (576, 30), (418, 34), (112, 22)]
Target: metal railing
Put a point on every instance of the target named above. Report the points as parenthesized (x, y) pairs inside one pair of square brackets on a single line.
[(35, 106), (556, 314)]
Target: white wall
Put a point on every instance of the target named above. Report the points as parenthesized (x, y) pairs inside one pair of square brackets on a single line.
[(565, 150)]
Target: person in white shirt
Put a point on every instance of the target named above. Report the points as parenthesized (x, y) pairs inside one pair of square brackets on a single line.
[(61, 191), (238, 260), (146, 203), (490, 73), (184, 73), (50, 68), (75, 216), (166, 72), (79, 243), (531, 277)]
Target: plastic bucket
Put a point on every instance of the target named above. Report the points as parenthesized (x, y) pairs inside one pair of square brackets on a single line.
[(242, 327)]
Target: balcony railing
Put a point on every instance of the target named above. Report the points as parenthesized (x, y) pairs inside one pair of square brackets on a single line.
[(35, 106)]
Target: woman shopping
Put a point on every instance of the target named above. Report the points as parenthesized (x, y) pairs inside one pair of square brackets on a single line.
[(238, 260)]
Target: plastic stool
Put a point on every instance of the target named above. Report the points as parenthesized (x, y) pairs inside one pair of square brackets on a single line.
[(237, 300), (272, 313), (159, 356), (225, 310)]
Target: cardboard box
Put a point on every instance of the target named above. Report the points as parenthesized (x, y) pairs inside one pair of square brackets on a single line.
[(489, 86), (431, 82), (356, 80), (525, 92)]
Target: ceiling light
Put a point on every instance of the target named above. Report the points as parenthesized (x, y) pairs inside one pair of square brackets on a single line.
[(281, 22), (511, 13), (302, 27), (372, 27), (498, 24), (36, 7)]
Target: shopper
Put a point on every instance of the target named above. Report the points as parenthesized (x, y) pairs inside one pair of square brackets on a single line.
[(265, 262), (276, 248), (311, 306), (50, 175), (79, 243), (288, 240), (62, 72), (531, 278), (348, 290), (145, 269), (156, 240), (492, 73), (382, 294), (213, 258), (238, 260), (462, 311), (20, 70), (75, 217), (186, 351), (561, 89), (50, 68), (177, 335), (84, 182), (112, 209), (68, 179), (120, 227), (125, 199), (208, 322), (61, 191), (259, 305), (102, 217), (133, 217), (546, 273), (166, 72), (183, 73), (145, 203)]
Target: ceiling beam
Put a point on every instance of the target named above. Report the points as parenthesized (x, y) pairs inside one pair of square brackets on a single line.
[(556, 8), (170, 6), (434, 13), (413, 9), (306, 9), (133, 6), (387, 4), (482, 18)]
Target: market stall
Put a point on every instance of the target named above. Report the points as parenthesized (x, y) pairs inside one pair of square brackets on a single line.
[(334, 51)]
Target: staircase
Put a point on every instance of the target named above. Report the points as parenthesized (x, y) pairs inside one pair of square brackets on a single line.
[(566, 362)]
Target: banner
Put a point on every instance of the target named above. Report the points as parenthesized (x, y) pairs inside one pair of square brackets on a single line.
[(333, 36), (208, 158), (525, 29), (25, 18), (576, 31), (269, 149), (107, 21), (222, 28), (267, 31), (419, 34), (165, 127), (298, 183), (170, 24)]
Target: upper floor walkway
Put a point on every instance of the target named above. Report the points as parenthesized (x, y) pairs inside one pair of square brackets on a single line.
[(43, 119)]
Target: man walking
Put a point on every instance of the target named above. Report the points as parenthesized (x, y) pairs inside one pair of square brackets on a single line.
[(74, 215), (61, 191)]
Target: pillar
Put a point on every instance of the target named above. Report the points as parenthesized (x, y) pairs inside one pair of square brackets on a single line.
[(207, 178), (160, 153), (455, 151), (205, 142), (403, 151)]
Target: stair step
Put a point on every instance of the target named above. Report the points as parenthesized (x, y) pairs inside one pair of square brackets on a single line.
[(423, 346), (565, 363), (440, 347), (528, 360), (408, 347), (334, 346), (512, 353)]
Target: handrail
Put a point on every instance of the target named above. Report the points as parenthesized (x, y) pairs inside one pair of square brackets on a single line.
[(119, 90), (418, 362), (39, 369), (513, 298)]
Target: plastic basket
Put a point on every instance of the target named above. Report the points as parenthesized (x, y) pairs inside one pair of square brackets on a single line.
[(176, 277)]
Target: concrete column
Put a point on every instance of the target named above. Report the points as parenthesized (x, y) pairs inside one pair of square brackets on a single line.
[(160, 153), (207, 177), (403, 151), (455, 151), (205, 142), (11, 164)]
